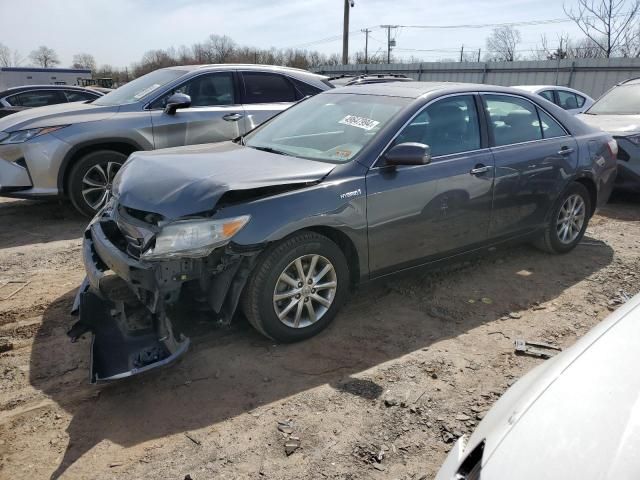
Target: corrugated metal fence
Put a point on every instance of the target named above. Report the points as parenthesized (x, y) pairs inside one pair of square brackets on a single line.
[(592, 76)]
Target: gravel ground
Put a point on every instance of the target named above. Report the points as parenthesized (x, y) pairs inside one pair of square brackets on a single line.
[(409, 364)]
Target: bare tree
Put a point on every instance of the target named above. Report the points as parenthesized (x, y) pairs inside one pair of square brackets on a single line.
[(546, 52), (84, 60), (44, 57), (605, 22), (9, 58), (502, 44), (220, 48)]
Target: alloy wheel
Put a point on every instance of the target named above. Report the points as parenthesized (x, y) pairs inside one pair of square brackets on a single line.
[(305, 291), (571, 219), (96, 183)]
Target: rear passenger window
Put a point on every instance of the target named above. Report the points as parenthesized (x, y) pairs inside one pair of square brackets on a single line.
[(447, 126), (76, 96), (567, 100), (267, 88), (548, 94), (37, 98), (512, 120), (550, 128)]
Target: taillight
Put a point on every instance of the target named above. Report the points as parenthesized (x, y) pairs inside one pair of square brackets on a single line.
[(612, 145)]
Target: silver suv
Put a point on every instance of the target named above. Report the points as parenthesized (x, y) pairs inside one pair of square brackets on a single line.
[(74, 150)]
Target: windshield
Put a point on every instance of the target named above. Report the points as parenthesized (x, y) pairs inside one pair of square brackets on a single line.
[(139, 88), (327, 127), (622, 100)]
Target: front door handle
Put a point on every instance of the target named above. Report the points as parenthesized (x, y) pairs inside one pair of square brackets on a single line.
[(233, 117), (480, 169), (565, 151)]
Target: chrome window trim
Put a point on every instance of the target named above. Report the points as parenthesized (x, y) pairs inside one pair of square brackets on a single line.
[(431, 102)]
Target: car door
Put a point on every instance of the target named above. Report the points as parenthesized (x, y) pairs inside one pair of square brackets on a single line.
[(265, 95), (419, 213), (533, 155), (215, 113)]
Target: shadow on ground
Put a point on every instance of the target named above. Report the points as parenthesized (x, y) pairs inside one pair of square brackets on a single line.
[(26, 222), (230, 372)]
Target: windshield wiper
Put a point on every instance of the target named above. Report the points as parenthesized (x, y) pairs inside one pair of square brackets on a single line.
[(270, 150)]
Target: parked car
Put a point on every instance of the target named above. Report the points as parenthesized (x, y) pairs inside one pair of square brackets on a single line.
[(350, 185), (74, 150), (573, 101), (618, 113), (21, 98), (360, 79), (574, 416)]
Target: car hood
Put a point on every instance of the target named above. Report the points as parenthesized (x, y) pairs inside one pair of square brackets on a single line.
[(613, 124), (579, 412), (177, 182), (53, 115)]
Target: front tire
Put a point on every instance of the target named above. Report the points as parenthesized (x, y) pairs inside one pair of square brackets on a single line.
[(568, 221), (296, 288), (90, 180)]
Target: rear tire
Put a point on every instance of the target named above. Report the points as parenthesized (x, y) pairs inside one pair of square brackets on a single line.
[(90, 180), (287, 306), (568, 221)]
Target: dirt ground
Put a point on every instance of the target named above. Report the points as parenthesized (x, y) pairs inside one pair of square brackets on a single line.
[(409, 364)]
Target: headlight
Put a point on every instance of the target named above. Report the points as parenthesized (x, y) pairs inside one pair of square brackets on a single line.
[(635, 139), (21, 136), (194, 238)]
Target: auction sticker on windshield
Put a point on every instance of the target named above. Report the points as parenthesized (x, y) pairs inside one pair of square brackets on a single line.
[(359, 122)]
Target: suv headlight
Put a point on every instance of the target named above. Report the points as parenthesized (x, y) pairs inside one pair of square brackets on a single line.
[(21, 136), (194, 238)]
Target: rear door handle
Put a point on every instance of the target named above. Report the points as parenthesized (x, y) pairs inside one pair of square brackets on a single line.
[(480, 169), (565, 151), (232, 117)]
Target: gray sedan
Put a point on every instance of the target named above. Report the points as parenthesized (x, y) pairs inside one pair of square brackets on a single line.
[(344, 187), (75, 150)]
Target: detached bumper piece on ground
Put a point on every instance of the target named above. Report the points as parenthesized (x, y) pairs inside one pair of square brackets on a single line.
[(123, 302)]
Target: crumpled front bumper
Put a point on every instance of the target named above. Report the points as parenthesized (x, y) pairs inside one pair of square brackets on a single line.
[(131, 332)]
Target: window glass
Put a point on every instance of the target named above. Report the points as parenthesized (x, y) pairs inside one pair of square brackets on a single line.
[(77, 96), (304, 89), (447, 126), (512, 120), (141, 87), (332, 128), (548, 94), (567, 100), (550, 128), (205, 91), (581, 100), (37, 98), (267, 88), (621, 100)]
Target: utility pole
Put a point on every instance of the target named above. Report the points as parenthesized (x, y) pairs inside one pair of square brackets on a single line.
[(366, 32), (479, 51), (461, 53), (389, 41), (345, 31)]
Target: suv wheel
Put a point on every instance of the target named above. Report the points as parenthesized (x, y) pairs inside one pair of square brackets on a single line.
[(90, 180), (297, 287), (568, 221)]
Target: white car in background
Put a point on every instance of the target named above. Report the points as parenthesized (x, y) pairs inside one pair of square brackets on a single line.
[(573, 101), (576, 416)]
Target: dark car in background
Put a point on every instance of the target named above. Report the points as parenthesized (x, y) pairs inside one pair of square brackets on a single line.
[(30, 96), (74, 150), (618, 113), (347, 186)]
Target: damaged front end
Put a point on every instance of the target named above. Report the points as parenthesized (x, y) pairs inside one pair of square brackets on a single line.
[(129, 302)]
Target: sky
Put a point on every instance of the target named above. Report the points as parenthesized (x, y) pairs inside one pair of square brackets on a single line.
[(118, 32)]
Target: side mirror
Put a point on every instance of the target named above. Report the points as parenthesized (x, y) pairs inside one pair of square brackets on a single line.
[(410, 153), (176, 101)]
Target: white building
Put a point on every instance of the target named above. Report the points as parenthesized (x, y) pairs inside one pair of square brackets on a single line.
[(18, 76)]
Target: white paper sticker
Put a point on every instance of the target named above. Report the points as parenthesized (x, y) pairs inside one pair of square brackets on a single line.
[(146, 91), (359, 122)]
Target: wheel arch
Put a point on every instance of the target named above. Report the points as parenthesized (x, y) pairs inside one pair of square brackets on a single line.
[(591, 187), (121, 145), (346, 244)]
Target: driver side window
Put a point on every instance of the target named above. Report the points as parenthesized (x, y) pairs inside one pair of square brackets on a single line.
[(448, 126), (210, 90)]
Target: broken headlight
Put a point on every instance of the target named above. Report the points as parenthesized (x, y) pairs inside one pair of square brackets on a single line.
[(193, 238)]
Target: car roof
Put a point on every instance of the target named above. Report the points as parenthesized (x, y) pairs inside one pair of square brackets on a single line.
[(24, 88), (417, 89), (243, 66)]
